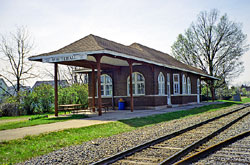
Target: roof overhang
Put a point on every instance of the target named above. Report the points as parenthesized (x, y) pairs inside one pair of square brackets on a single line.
[(85, 56)]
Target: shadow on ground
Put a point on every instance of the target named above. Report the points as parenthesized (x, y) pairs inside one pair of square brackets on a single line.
[(74, 116)]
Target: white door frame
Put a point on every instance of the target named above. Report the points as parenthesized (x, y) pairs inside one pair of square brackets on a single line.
[(168, 89), (198, 90)]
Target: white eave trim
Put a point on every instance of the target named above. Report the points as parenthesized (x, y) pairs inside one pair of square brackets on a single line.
[(120, 55), (65, 55)]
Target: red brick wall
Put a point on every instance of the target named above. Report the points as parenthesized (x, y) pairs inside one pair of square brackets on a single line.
[(151, 86)]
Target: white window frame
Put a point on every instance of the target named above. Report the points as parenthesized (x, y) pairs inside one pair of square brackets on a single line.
[(188, 85), (161, 84), (184, 84), (176, 84), (105, 84), (135, 83)]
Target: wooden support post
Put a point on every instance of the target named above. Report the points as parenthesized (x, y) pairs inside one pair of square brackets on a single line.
[(212, 90), (207, 91), (93, 88), (213, 94), (131, 86), (56, 89), (98, 61)]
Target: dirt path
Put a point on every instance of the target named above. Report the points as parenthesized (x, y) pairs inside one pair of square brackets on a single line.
[(13, 120), (44, 128), (93, 120)]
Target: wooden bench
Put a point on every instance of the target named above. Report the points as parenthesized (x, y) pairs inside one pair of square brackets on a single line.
[(74, 108), (104, 106)]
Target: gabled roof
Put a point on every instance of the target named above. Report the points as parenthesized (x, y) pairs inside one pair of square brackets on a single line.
[(87, 43), (92, 43), (3, 82), (164, 57)]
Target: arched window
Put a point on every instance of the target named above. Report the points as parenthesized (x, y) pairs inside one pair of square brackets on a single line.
[(176, 84), (189, 85), (161, 84), (106, 85), (184, 84), (138, 84)]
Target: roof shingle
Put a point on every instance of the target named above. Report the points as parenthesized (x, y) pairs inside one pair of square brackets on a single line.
[(96, 43)]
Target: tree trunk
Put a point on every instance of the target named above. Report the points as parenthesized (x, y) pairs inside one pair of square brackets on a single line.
[(18, 85), (17, 90), (212, 90)]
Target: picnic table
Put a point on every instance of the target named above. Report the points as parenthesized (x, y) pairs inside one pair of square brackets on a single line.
[(74, 108)]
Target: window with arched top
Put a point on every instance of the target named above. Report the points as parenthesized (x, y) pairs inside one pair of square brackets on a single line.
[(106, 85), (138, 84), (161, 84), (188, 85), (176, 84), (184, 84)]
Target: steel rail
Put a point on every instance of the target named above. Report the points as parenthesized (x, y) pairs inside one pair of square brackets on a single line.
[(140, 147), (177, 156), (204, 153)]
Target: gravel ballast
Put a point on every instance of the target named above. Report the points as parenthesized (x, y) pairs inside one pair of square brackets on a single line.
[(92, 151)]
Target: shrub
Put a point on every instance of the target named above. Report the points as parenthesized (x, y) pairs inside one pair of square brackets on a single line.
[(75, 94), (40, 100), (11, 109)]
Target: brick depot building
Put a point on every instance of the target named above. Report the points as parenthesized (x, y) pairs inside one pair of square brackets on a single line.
[(158, 80)]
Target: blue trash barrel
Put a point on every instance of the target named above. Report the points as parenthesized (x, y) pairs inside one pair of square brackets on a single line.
[(121, 105)]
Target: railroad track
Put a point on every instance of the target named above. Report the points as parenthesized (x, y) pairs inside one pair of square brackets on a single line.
[(171, 148), (233, 150)]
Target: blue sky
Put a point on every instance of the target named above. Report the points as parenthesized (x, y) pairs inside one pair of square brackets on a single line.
[(155, 23)]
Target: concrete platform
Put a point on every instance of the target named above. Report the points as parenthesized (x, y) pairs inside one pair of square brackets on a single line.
[(127, 114), (93, 119)]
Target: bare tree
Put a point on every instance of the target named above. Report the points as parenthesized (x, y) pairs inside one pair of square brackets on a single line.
[(214, 45), (67, 73), (15, 50)]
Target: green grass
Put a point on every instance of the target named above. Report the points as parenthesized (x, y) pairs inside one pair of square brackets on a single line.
[(27, 123), (20, 150), (243, 100), (14, 117), (25, 116)]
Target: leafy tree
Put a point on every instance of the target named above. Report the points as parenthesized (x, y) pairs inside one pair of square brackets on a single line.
[(75, 94), (244, 91), (204, 90), (214, 45), (40, 100), (235, 90), (223, 93)]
